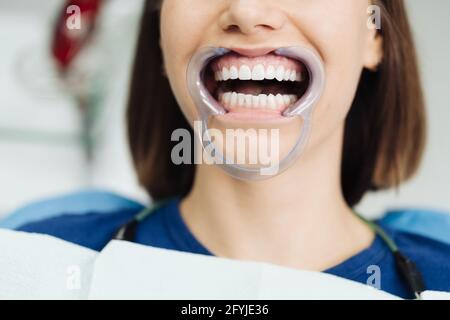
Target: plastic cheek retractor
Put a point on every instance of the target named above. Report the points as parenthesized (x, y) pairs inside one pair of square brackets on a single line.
[(208, 106)]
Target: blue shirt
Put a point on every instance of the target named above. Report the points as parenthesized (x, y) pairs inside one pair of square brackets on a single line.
[(165, 228)]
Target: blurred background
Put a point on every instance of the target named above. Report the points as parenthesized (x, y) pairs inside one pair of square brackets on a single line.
[(63, 99)]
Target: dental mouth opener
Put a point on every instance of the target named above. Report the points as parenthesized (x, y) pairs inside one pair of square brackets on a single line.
[(208, 107)]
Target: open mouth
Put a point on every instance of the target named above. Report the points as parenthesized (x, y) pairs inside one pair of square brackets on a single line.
[(269, 84)]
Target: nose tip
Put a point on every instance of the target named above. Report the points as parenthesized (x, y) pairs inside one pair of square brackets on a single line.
[(251, 17)]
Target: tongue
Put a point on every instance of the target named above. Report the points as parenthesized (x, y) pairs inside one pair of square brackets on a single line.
[(256, 88), (249, 88)]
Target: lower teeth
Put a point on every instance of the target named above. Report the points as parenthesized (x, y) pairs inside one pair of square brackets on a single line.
[(232, 100)]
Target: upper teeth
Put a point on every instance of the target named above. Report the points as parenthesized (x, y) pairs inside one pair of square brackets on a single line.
[(258, 73)]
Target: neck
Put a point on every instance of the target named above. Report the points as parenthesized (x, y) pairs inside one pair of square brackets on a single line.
[(297, 219)]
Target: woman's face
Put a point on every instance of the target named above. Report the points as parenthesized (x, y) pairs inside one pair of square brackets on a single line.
[(336, 29)]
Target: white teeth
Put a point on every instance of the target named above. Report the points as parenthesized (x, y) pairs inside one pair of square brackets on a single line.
[(262, 101), (248, 101), (293, 76), (258, 72), (241, 100), (234, 73), (279, 74), (270, 73), (279, 99), (226, 98), (255, 101), (245, 73), (233, 99), (225, 74), (287, 75), (272, 104)]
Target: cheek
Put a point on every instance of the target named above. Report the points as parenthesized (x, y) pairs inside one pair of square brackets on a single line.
[(176, 37), (341, 40), (178, 44)]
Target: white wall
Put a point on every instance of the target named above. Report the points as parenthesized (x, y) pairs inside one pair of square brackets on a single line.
[(41, 148), (40, 153), (431, 187), (111, 167)]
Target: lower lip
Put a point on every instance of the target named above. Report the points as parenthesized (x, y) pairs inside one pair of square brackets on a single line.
[(254, 115)]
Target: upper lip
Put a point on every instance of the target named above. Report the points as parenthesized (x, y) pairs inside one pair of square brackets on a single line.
[(253, 52)]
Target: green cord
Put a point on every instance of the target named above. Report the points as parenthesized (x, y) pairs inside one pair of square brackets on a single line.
[(379, 231), (149, 210)]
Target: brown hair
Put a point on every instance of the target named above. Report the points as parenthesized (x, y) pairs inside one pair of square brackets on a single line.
[(385, 128)]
